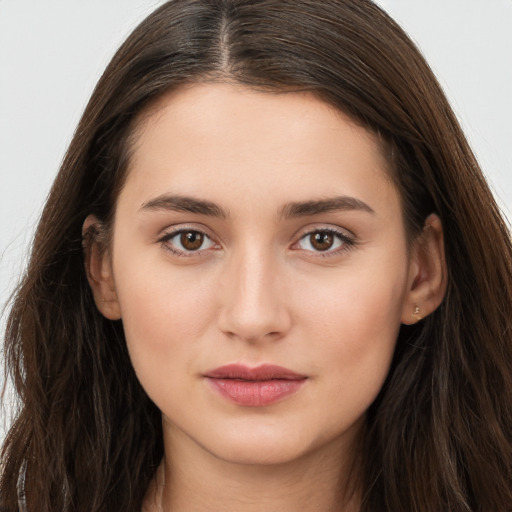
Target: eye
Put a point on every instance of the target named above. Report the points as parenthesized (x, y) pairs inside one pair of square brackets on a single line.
[(186, 241), (325, 240)]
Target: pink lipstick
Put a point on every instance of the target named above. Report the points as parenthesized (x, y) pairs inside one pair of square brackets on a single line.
[(254, 387)]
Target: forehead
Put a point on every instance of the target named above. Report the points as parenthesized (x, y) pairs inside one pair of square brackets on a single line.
[(224, 139)]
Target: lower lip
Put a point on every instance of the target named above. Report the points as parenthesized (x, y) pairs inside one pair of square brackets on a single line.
[(255, 393)]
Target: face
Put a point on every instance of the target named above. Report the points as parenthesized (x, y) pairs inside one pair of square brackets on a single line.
[(260, 269)]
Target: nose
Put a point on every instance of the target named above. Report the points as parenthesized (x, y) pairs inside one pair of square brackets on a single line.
[(253, 303)]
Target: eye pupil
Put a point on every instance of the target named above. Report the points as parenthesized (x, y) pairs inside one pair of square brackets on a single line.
[(191, 240), (322, 241)]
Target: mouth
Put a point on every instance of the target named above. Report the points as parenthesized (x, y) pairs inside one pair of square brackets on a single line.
[(255, 387)]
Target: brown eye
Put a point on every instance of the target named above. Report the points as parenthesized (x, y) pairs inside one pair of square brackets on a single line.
[(327, 241), (191, 240), (321, 240), (185, 242)]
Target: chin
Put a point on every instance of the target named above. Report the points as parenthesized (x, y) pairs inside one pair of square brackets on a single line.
[(258, 454), (260, 446)]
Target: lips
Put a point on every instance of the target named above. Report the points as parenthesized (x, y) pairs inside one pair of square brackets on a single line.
[(254, 387)]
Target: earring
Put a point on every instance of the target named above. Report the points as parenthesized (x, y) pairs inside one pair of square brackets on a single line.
[(417, 312)]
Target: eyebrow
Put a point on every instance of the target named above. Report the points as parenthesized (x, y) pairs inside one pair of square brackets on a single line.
[(340, 203), (184, 204), (290, 210)]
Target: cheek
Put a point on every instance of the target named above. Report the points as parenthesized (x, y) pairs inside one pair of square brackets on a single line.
[(354, 323), (352, 335), (355, 299), (164, 314)]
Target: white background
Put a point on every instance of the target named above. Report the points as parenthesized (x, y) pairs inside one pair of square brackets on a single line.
[(53, 51)]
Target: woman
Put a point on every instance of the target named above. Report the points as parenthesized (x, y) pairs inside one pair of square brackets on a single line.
[(269, 276)]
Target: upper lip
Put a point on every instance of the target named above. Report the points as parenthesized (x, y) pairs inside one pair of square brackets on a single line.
[(259, 373)]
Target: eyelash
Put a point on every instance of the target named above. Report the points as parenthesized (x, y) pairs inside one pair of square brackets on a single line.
[(345, 242), (164, 241)]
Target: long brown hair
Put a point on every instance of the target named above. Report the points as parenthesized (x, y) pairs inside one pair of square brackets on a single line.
[(439, 436)]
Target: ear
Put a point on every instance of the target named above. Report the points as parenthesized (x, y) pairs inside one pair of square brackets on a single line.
[(98, 267), (427, 273)]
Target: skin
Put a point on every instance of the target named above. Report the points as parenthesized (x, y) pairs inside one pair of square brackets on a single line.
[(259, 291)]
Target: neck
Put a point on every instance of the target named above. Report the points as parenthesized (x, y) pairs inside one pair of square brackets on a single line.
[(193, 480)]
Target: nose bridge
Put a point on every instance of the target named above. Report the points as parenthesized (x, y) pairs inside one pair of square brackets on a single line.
[(252, 305)]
